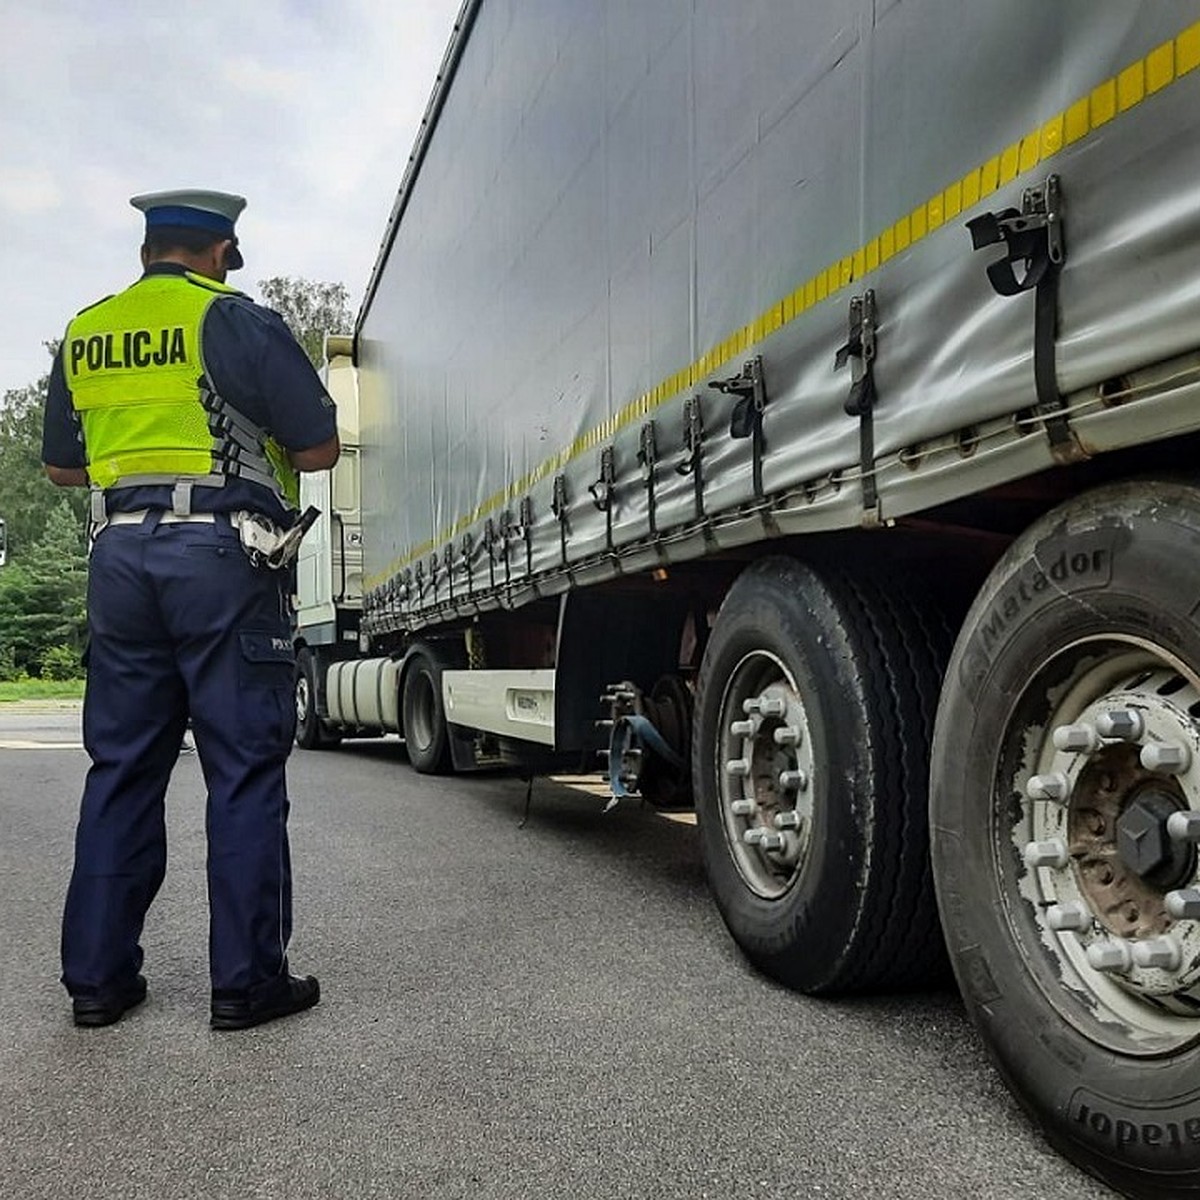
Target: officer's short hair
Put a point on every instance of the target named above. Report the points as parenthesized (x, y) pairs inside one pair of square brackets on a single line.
[(162, 239)]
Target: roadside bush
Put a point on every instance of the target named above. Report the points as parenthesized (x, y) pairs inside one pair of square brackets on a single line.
[(60, 662)]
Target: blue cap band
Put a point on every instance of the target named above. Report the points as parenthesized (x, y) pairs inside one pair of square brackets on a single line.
[(195, 218)]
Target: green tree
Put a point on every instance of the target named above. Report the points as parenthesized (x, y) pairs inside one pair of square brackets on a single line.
[(27, 497), (311, 310), (43, 597), (17, 651), (8, 665)]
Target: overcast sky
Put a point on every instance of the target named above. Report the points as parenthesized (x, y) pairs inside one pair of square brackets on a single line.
[(308, 108)]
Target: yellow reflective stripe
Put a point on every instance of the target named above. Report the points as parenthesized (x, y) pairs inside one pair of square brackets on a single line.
[(1187, 50), (1159, 69), (105, 472)]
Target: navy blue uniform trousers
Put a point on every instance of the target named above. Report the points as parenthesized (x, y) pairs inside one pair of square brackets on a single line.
[(181, 623)]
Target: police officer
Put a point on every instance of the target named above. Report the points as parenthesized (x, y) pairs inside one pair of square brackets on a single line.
[(188, 410)]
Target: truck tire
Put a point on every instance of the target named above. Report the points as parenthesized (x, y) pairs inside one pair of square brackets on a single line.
[(815, 708), (423, 714), (1065, 804), (312, 733)]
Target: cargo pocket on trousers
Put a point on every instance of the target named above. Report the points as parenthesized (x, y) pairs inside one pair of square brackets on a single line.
[(268, 659), (266, 681)]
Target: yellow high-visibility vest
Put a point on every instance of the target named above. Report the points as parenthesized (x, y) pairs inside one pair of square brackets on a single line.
[(136, 374)]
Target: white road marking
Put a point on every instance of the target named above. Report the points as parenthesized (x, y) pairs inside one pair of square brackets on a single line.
[(19, 744)]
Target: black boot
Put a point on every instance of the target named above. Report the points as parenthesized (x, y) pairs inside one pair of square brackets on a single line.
[(278, 998), (109, 1006)]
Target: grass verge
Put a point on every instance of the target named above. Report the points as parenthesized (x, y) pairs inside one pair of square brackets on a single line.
[(41, 689)]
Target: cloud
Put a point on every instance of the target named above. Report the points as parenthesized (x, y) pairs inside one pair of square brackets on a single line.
[(306, 107), (29, 191), (255, 78), (103, 199)]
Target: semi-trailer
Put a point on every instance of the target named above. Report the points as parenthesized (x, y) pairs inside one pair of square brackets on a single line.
[(797, 406)]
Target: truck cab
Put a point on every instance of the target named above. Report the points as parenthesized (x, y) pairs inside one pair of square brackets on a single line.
[(328, 597)]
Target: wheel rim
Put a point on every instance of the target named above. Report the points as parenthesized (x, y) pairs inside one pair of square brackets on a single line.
[(421, 725), (764, 770), (1103, 766), (303, 699)]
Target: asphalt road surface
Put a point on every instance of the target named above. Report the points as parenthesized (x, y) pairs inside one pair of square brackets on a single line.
[(547, 1011)]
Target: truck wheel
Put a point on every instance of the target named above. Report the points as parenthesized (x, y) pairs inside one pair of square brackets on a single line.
[(423, 714), (815, 707), (1066, 816), (312, 733)]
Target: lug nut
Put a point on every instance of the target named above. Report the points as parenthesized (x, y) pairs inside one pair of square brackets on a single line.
[(793, 781), (787, 735), (1184, 904), (1110, 954), (1160, 952), (1184, 826), (767, 706), (1076, 737), (764, 839), (1173, 758), (791, 819), (1048, 787), (1124, 723), (743, 808), (743, 728), (1069, 917), (738, 766), (1051, 853)]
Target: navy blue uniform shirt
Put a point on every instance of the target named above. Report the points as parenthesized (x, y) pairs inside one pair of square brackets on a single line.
[(256, 365)]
